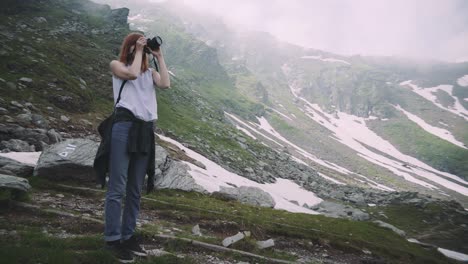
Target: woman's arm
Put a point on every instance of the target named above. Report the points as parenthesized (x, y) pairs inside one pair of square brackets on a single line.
[(161, 78), (131, 73)]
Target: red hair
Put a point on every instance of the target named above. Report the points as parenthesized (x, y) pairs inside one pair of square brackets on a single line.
[(126, 56)]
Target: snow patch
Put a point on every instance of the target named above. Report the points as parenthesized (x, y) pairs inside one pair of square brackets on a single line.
[(264, 125), (281, 114), (463, 81), (283, 191), (392, 165), (298, 160), (251, 128), (209, 42), (301, 151), (246, 132), (267, 127), (453, 254), (442, 123), (428, 94), (331, 179), (436, 131), (139, 18), (413, 240), (24, 157), (353, 132), (376, 184), (295, 89), (325, 59)]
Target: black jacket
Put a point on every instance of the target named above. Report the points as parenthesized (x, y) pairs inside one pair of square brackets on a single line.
[(140, 139)]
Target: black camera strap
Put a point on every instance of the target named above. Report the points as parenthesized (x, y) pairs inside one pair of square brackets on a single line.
[(118, 98), (155, 64), (120, 92)]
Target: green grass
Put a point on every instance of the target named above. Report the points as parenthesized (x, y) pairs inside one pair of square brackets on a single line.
[(435, 223), (199, 122), (30, 245), (340, 233), (184, 122), (444, 98), (283, 127), (7, 195), (184, 209), (412, 140)]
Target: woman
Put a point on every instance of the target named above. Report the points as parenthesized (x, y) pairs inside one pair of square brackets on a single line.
[(132, 142)]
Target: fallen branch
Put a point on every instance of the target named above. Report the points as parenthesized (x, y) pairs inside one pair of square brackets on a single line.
[(55, 211), (222, 249)]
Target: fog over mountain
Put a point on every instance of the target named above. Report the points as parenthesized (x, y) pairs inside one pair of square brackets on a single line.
[(420, 28)]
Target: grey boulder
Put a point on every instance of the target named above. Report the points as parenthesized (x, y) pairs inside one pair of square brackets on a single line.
[(9, 134), (13, 182), (71, 159), (248, 195), (13, 167), (161, 157), (338, 210), (16, 145), (39, 121), (177, 176), (53, 136), (266, 243), (24, 119)]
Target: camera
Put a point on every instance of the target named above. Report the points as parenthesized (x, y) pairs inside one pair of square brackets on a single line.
[(153, 44)]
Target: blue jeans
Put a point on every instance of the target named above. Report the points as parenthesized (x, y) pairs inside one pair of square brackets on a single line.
[(126, 176)]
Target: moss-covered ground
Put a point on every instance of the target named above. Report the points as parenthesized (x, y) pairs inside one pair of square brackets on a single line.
[(25, 240)]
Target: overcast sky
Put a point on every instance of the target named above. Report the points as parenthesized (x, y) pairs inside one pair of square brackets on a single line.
[(417, 28)]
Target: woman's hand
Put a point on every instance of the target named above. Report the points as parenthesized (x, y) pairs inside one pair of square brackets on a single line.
[(157, 53), (140, 44)]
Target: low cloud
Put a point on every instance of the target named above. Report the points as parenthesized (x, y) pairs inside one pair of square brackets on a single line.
[(417, 28)]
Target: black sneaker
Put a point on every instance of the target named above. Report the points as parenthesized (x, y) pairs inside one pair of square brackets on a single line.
[(133, 245), (122, 254)]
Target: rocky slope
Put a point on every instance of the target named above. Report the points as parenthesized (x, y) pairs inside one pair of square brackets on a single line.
[(54, 65)]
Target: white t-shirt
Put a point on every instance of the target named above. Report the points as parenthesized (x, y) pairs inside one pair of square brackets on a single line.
[(138, 96)]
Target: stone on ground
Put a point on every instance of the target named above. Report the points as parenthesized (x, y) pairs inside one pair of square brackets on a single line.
[(233, 239), (12, 167), (248, 195), (15, 183), (196, 230), (265, 244), (71, 159)]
